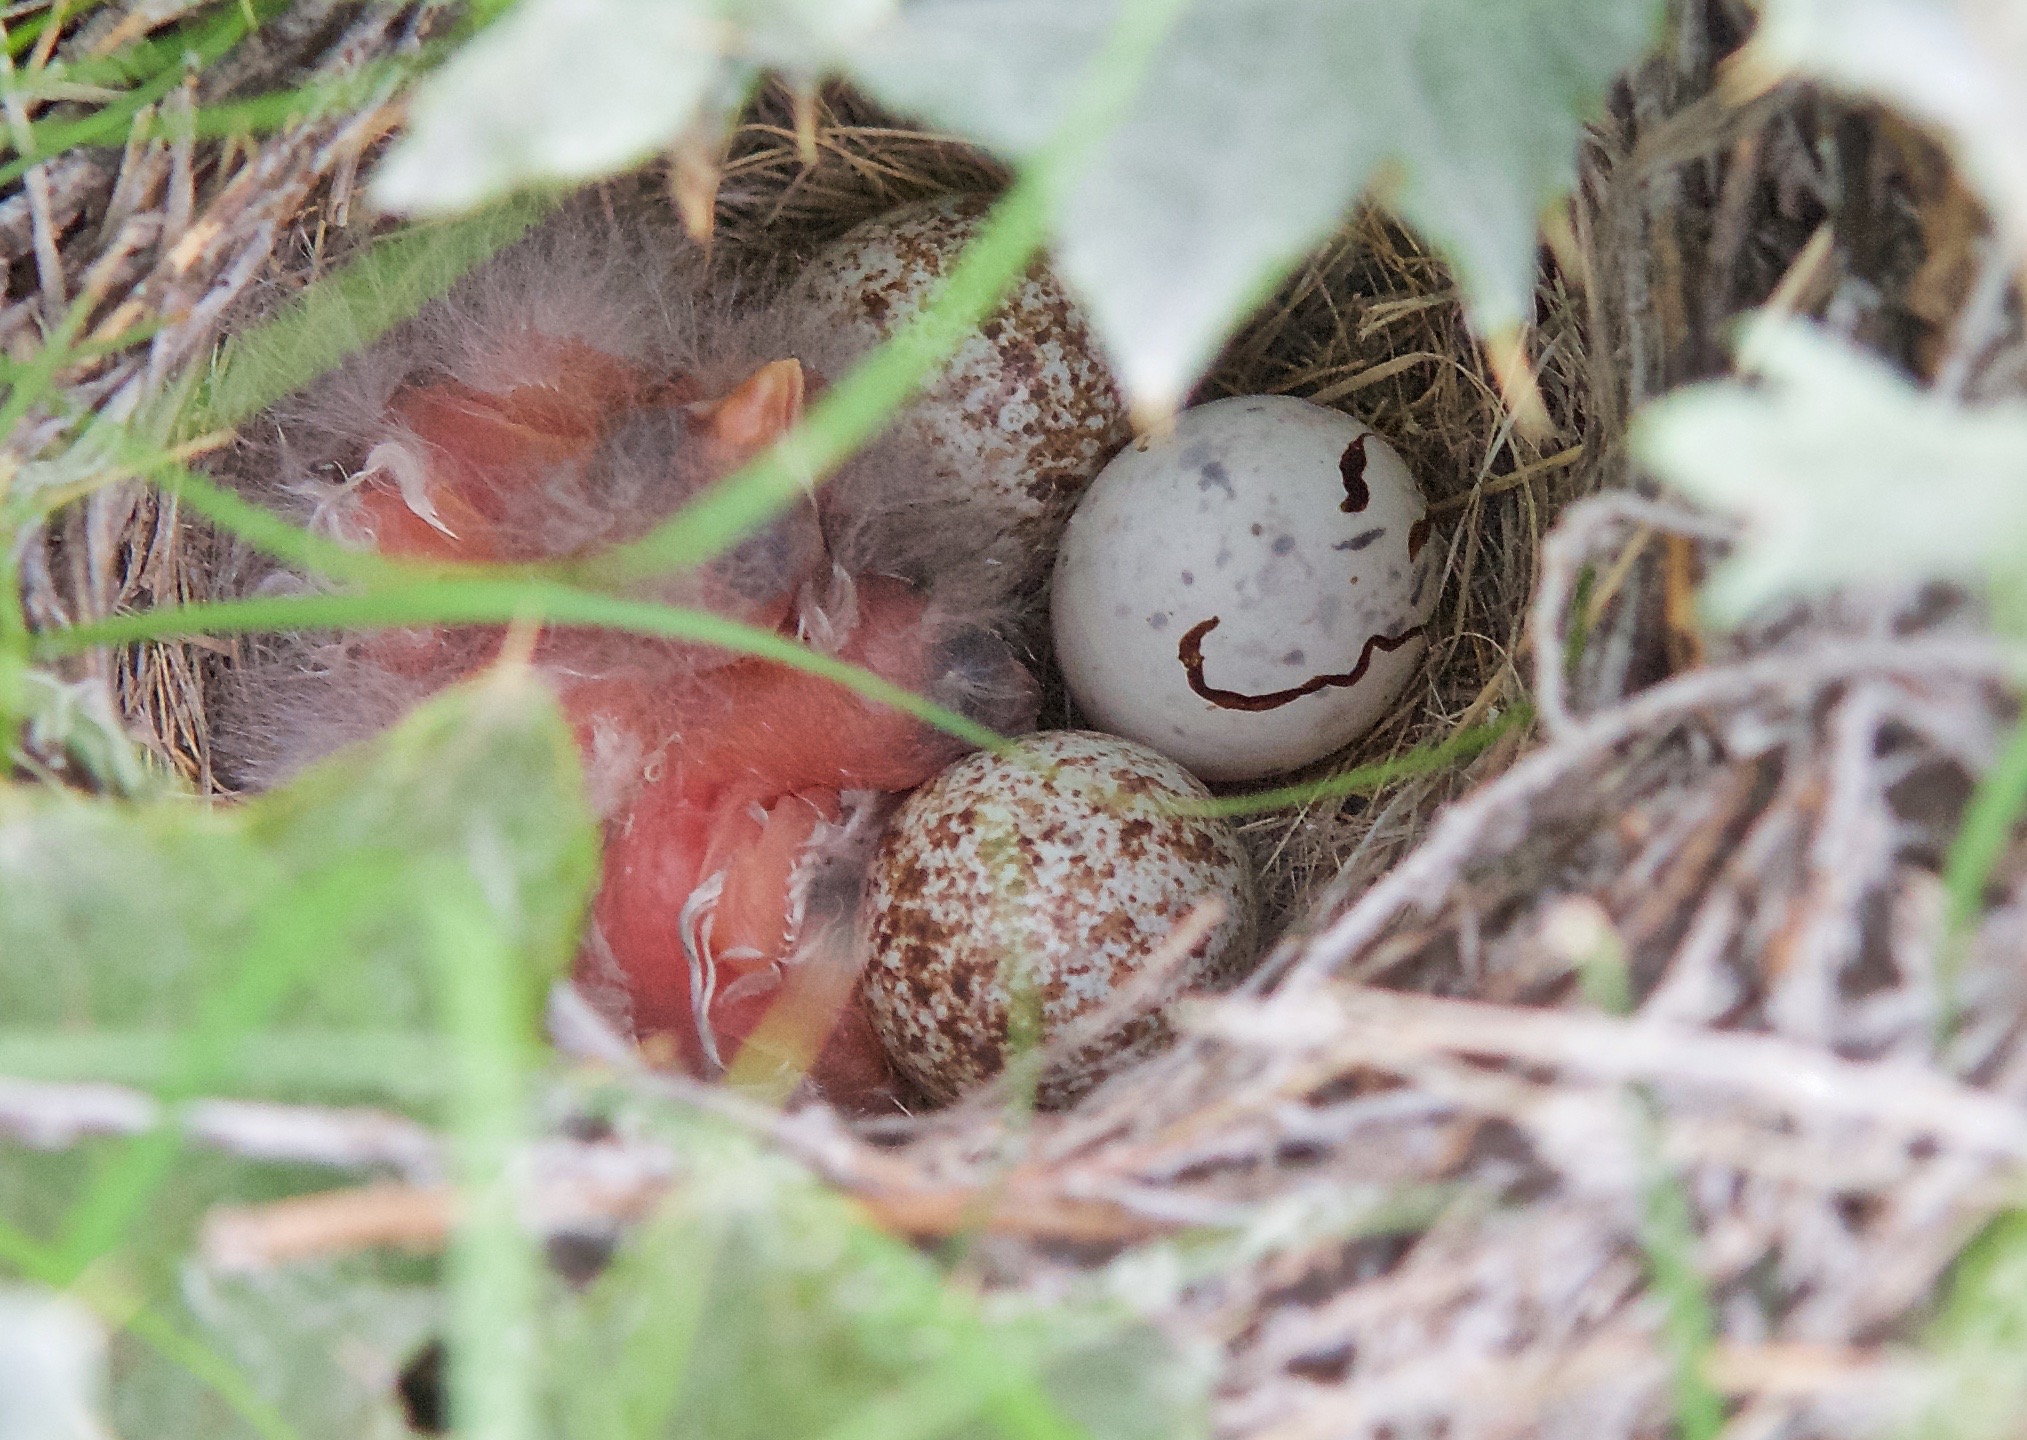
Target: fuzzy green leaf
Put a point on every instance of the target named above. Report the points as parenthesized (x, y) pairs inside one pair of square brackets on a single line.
[(561, 90), (312, 896), (320, 1345), (1842, 472), (1261, 122), (52, 1367), (757, 1304)]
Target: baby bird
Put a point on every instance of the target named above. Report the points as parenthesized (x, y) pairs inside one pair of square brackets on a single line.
[(566, 397)]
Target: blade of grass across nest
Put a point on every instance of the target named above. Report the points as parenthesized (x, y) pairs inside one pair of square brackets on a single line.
[(1433, 759), (269, 532), (332, 320), (1668, 1235), (854, 411), (456, 600), (264, 114), (344, 313)]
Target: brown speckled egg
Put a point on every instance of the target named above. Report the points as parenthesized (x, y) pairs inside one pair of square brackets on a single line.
[(1064, 861), (1026, 413)]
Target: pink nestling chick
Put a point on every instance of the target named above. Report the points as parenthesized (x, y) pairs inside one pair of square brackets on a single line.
[(568, 396)]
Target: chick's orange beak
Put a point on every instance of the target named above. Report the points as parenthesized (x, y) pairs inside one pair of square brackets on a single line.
[(756, 412)]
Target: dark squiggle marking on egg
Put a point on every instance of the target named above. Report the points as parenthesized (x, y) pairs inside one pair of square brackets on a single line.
[(1418, 536), (1362, 539), (1191, 653), (1215, 474), (1351, 465)]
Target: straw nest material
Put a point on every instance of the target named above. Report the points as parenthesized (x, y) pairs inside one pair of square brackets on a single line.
[(1435, 1151)]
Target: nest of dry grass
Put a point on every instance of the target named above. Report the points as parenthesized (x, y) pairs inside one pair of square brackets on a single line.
[(1437, 1152), (1370, 323)]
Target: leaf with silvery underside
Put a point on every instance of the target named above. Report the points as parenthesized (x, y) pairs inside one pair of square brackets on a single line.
[(319, 1345), (1842, 472), (74, 718), (756, 1303), (1260, 123), (1957, 64), (52, 1367), (566, 90), (302, 906)]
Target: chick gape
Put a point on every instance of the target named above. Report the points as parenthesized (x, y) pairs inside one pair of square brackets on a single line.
[(745, 771)]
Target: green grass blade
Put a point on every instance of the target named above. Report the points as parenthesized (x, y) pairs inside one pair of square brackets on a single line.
[(264, 114), (494, 1271), (1688, 1328), (14, 647), (1452, 750), (343, 314), (165, 62), (140, 333), (1981, 843), (1667, 1225), (854, 411), (267, 531), (496, 602)]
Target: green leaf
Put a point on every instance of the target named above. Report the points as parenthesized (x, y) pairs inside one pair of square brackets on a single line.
[(1841, 471), (75, 717), (1261, 122), (561, 90), (1958, 64), (52, 1367), (115, 914), (756, 1304), (1978, 1337), (148, 914), (319, 1344), (481, 785), (555, 90)]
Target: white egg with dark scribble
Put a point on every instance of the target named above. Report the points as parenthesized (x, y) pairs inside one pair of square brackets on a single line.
[(1246, 594)]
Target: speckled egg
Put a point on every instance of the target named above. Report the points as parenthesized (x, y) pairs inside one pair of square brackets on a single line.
[(1248, 593), (1064, 863), (1025, 414)]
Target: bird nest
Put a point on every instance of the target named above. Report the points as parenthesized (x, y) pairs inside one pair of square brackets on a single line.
[(1662, 970)]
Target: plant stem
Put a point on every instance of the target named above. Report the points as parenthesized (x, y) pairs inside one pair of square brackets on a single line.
[(1981, 843)]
